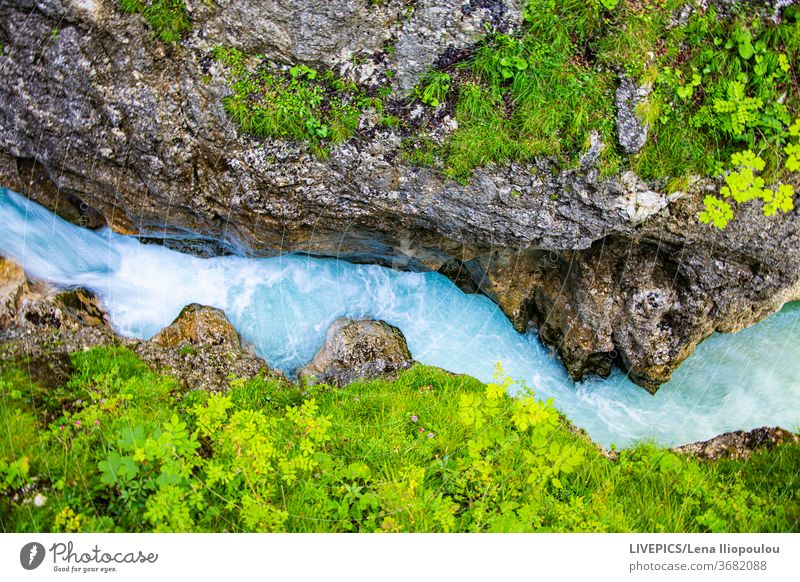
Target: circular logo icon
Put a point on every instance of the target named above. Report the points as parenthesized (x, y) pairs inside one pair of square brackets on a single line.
[(31, 555)]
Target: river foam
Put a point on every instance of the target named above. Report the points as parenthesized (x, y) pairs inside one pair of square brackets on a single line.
[(283, 306)]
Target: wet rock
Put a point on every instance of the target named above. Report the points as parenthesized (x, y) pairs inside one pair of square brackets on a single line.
[(738, 444), (42, 326), (26, 176), (467, 276), (84, 307), (199, 325), (12, 286), (202, 350), (645, 302), (26, 303), (357, 350), (631, 130)]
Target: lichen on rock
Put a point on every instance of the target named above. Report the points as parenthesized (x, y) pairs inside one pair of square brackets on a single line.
[(631, 129)]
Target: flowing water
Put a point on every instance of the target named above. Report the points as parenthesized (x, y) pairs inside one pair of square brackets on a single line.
[(284, 305)]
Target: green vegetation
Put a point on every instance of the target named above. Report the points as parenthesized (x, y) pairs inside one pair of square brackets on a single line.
[(301, 103), (744, 185), (719, 86), (169, 19), (120, 448), (532, 95), (434, 88)]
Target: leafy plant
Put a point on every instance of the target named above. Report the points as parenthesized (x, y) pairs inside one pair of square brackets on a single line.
[(434, 88), (302, 103), (737, 111), (743, 186)]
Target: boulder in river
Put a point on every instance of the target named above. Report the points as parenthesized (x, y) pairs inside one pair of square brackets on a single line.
[(26, 303), (12, 284), (202, 349), (358, 349), (199, 325)]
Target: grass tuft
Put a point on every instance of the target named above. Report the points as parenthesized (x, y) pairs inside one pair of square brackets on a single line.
[(169, 19)]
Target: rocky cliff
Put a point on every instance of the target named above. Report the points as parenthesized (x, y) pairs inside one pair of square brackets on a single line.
[(104, 123)]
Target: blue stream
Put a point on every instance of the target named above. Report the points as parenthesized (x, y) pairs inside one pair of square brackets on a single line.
[(284, 305)]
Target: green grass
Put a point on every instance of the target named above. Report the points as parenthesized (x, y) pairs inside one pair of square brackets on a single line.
[(302, 103), (123, 449), (532, 95), (169, 19), (543, 91)]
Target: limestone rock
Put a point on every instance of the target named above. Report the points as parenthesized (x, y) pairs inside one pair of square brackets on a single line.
[(631, 131), (203, 350), (358, 349), (199, 325), (739, 444), (26, 303), (83, 306), (12, 286)]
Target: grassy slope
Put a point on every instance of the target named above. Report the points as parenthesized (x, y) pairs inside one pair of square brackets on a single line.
[(119, 448), (543, 90)]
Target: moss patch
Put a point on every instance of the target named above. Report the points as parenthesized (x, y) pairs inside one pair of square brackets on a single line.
[(300, 103)]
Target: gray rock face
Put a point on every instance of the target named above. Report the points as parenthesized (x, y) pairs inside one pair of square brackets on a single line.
[(332, 32), (357, 350), (109, 125), (440, 25), (327, 32), (631, 131), (644, 302), (739, 444)]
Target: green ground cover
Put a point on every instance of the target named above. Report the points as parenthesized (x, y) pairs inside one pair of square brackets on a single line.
[(117, 447)]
